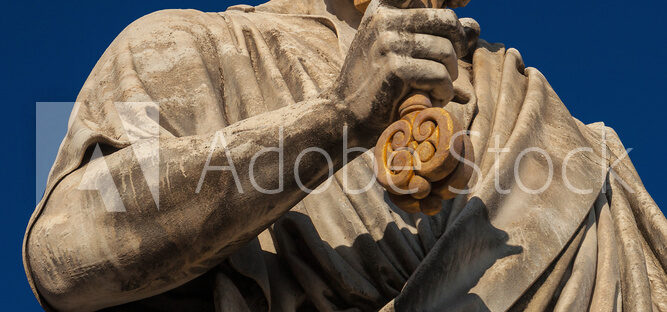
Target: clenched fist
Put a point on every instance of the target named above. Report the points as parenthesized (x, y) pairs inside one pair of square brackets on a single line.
[(399, 47)]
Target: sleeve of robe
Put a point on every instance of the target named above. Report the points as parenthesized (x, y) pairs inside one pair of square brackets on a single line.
[(204, 70)]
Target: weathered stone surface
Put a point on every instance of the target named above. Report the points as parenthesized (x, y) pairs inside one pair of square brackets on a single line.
[(308, 69)]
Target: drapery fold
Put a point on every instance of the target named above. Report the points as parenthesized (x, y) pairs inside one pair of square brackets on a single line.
[(498, 248)]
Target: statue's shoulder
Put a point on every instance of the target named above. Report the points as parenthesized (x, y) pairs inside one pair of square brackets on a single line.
[(242, 8), (171, 22)]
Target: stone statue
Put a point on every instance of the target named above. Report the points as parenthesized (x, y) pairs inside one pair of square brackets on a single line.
[(166, 193)]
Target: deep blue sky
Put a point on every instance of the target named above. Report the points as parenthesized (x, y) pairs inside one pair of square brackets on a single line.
[(604, 58)]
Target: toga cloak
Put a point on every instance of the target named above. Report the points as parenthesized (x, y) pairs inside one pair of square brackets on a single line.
[(602, 250)]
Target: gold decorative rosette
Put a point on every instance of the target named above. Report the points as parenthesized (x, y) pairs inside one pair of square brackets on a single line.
[(420, 157)]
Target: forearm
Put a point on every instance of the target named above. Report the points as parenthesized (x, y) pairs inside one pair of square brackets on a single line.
[(195, 224), (237, 209)]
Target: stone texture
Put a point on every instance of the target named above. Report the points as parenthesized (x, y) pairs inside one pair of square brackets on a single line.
[(302, 65)]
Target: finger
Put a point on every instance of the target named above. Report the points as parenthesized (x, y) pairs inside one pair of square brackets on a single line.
[(438, 22), (422, 46), (426, 75), (436, 49)]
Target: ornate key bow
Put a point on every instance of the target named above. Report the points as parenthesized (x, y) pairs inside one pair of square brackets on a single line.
[(420, 156)]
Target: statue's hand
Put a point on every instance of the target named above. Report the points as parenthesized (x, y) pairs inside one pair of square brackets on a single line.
[(395, 51)]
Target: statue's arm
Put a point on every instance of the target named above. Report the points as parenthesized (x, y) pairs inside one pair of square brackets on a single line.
[(85, 257)]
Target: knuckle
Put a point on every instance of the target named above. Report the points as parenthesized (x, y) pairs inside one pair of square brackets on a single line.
[(401, 68), (437, 75), (391, 62), (447, 50), (421, 41), (448, 45), (386, 41), (440, 73), (448, 16), (386, 38), (447, 21), (420, 18)]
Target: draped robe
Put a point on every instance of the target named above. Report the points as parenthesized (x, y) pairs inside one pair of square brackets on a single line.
[(601, 250)]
